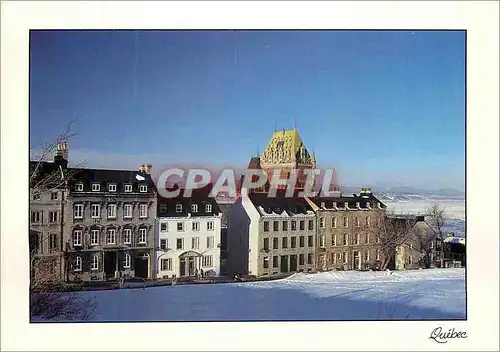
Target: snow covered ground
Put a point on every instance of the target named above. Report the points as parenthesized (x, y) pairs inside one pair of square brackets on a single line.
[(350, 295)]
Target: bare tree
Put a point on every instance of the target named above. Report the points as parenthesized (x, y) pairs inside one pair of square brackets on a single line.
[(48, 296), (436, 216), (391, 231)]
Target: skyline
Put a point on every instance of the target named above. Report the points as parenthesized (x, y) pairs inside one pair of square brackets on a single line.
[(215, 97)]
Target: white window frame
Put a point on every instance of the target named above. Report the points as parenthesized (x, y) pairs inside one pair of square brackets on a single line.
[(195, 226), (126, 261), (143, 236), (127, 188), (94, 263), (207, 261), (210, 226), (210, 242), (334, 222), (357, 238), (322, 222), (346, 221), (164, 223), (177, 243), (143, 211), (78, 264), (367, 238), (96, 187), (79, 187), (78, 211), (346, 257), (178, 208), (182, 226), (94, 241), (131, 210), (410, 260), (38, 216), (53, 218), (92, 208), (195, 243), (322, 241), (143, 188), (111, 214), (367, 256), (166, 264), (194, 208), (77, 238), (368, 221), (112, 187), (334, 240), (208, 208), (378, 254), (166, 243), (111, 236), (127, 234)]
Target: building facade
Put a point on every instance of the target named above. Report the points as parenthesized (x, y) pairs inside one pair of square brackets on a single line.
[(189, 235), (109, 227)]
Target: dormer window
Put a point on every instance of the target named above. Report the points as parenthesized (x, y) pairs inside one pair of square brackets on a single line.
[(143, 188), (277, 210), (178, 208), (79, 187), (128, 188), (194, 208), (208, 208), (163, 208), (112, 187), (96, 187), (323, 205)]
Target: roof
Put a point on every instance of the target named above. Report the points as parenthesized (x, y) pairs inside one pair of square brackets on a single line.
[(87, 177), (286, 146), (351, 201), (280, 205), (453, 239), (167, 207)]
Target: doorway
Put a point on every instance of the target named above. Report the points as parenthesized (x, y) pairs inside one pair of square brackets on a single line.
[(182, 267), (284, 264), (357, 261), (141, 267), (293, 262), (192, 266), (109, 265)]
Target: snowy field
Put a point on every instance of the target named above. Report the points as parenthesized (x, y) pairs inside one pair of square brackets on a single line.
[(418, 294)]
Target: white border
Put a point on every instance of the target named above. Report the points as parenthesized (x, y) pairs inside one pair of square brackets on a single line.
[(479, 18)]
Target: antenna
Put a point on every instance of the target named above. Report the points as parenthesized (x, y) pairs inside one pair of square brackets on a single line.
[(275, 126), (294, 123)]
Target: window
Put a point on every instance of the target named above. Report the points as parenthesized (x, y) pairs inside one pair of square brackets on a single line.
[(345, 255), (309, 258), (194, 208), (210, 242), (79, 187), (333, 258), (322, 241), (266, 244), (163, 243), (368, 221), (334, 240), (346, 239), (53, 196), (94, 263), (346, 221), (53, 216), (411, 246), (334, 223), (96, 187), (112, 187), (339, 257), (210, 226), (180, 243), (367, 238), (111, 237), (310, 241), (127, 236), (301, 241), (266, 263), (143, 188), (195, 243), (142, 236), (96, 210), (166, 264), (94, 237), (207, 261), (377, 239), (195, 226), (78, 211), (275, 242), (127, 210), (356, 221), (284, 242), (128, 188), (163, 227), (356, 239), (322, 223), (301, 259), (301, 225), (143, 210), (111, 211), (294, 225), (208, 208), (126, 261), (432, 245), (36, 196), (293, 242), (77, 238), (275, 261), (410, 260), (266, 226), (311, 225), (36, 216), (378, 254), (178, 208), (78, 264), (180, 226), (275, 226), (285, 225), (53, 241)]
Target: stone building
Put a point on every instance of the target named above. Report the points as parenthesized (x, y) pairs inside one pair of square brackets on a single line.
[(109, 224), (271, 236), (189, 235)]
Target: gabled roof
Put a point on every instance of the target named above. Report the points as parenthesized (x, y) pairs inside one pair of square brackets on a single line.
[(280, 205)]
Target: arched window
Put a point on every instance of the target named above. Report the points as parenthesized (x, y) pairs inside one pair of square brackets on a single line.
[(78, 264), (94, 263), (126, 261)]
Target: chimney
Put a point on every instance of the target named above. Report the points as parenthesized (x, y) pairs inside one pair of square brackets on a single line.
[(368, 205), (357, 205), (149, 169), (334, 205), (346, 205)]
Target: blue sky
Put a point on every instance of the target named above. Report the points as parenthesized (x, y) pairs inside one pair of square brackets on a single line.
[(381, 107)]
